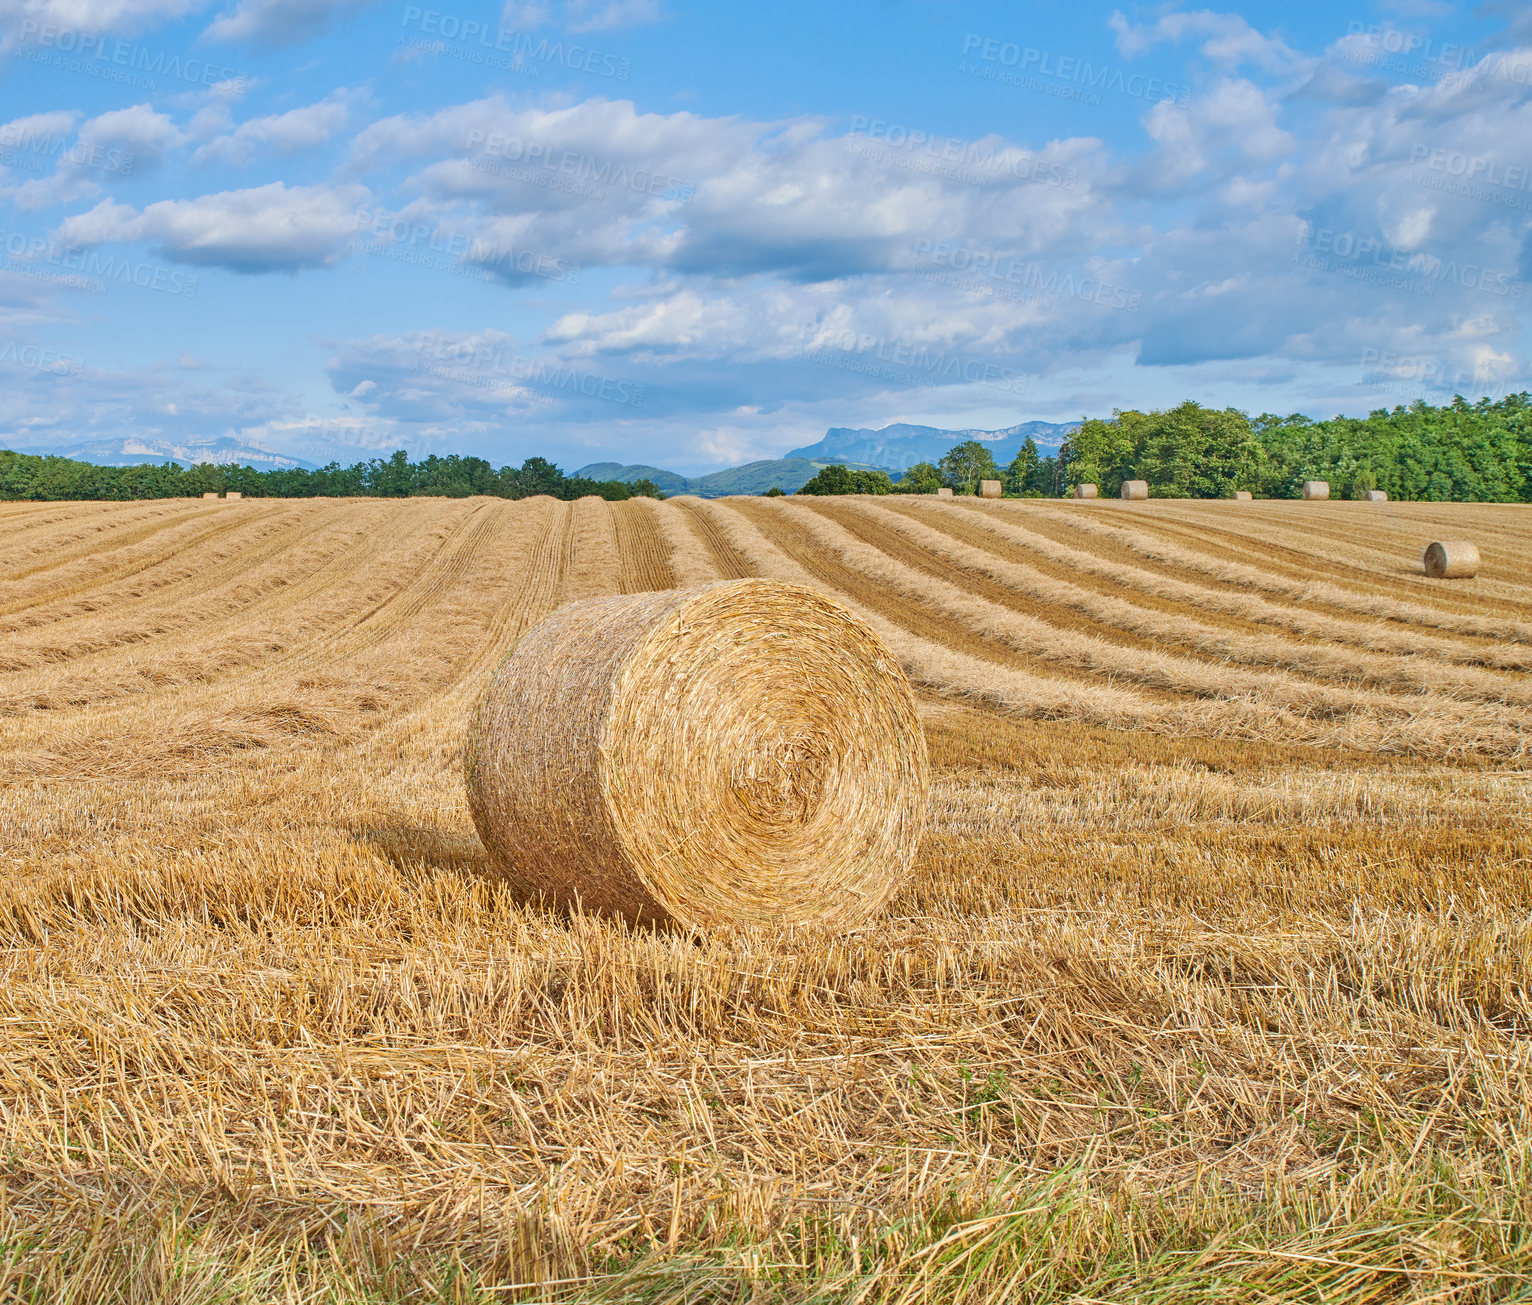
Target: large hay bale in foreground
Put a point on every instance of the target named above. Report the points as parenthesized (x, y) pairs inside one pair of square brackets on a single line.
[(1454, 560), (1375, 496), (1316, 489), (1243, 495), (745, 752), (1087, 490), (989, 489), (944, 492), (1135, 489)]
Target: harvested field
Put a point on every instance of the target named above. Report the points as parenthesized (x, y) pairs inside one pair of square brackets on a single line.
[(1212, 980)]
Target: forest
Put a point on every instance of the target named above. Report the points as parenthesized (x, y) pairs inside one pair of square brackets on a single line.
[(1461, 451)]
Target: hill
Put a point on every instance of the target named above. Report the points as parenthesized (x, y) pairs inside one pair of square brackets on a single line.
[(131, 451), (787, 474), (901, 446)]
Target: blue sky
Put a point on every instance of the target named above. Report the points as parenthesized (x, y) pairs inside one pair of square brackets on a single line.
[(692, 234)]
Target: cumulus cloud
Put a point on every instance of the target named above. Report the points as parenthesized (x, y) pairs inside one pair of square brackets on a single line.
[(272, 228), (21, 20), (281, 22), (1227, 40), (280, 133)]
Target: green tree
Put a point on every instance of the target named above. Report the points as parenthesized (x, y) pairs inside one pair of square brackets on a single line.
[(964, 465), (922, 478), (1019, 476)]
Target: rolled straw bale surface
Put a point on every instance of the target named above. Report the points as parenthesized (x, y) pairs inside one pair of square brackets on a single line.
[(1086, 490), (1135, 489), (944, 492), (989, 489), (234, 493), (210, 493), (738, 753), (1453, 560), (1316, 489), (1243, 495), (1376, 496)]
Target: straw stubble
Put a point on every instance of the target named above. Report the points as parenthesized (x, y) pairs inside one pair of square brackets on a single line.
[(739, 753)]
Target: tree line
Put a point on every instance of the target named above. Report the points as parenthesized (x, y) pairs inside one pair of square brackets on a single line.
[(1462, 451), (29, 476)]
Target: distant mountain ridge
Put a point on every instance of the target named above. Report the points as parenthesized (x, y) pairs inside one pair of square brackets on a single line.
[(787, 474), (220, 450), (900, 446), (894, 449)]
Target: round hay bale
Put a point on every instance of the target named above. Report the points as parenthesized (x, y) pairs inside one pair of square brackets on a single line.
[(944, 492), (1135, 489), (1455, 560), (210, 494), (1086, 490), (746, 752), (989, 489), (1375, 496), (1316, 489), (234, 494), (1243, 495)]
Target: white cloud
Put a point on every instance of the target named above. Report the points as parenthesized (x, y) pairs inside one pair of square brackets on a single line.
[(22, 20), (281, 22), (280, 133), (264, 229), (1228, 40)]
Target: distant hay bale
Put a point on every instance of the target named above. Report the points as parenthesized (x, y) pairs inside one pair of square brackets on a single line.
[(1243, 495), (1455, 560), (944, 492), (746, 752), (1375, 496), (1316, 489), (234, 494), (1135, 489), (989, 489), (1085, 491), (209, 493)]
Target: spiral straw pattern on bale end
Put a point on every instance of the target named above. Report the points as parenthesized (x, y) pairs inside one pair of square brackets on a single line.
[(1457, 560), (1135, 489), (989, 489), (745, 752)]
